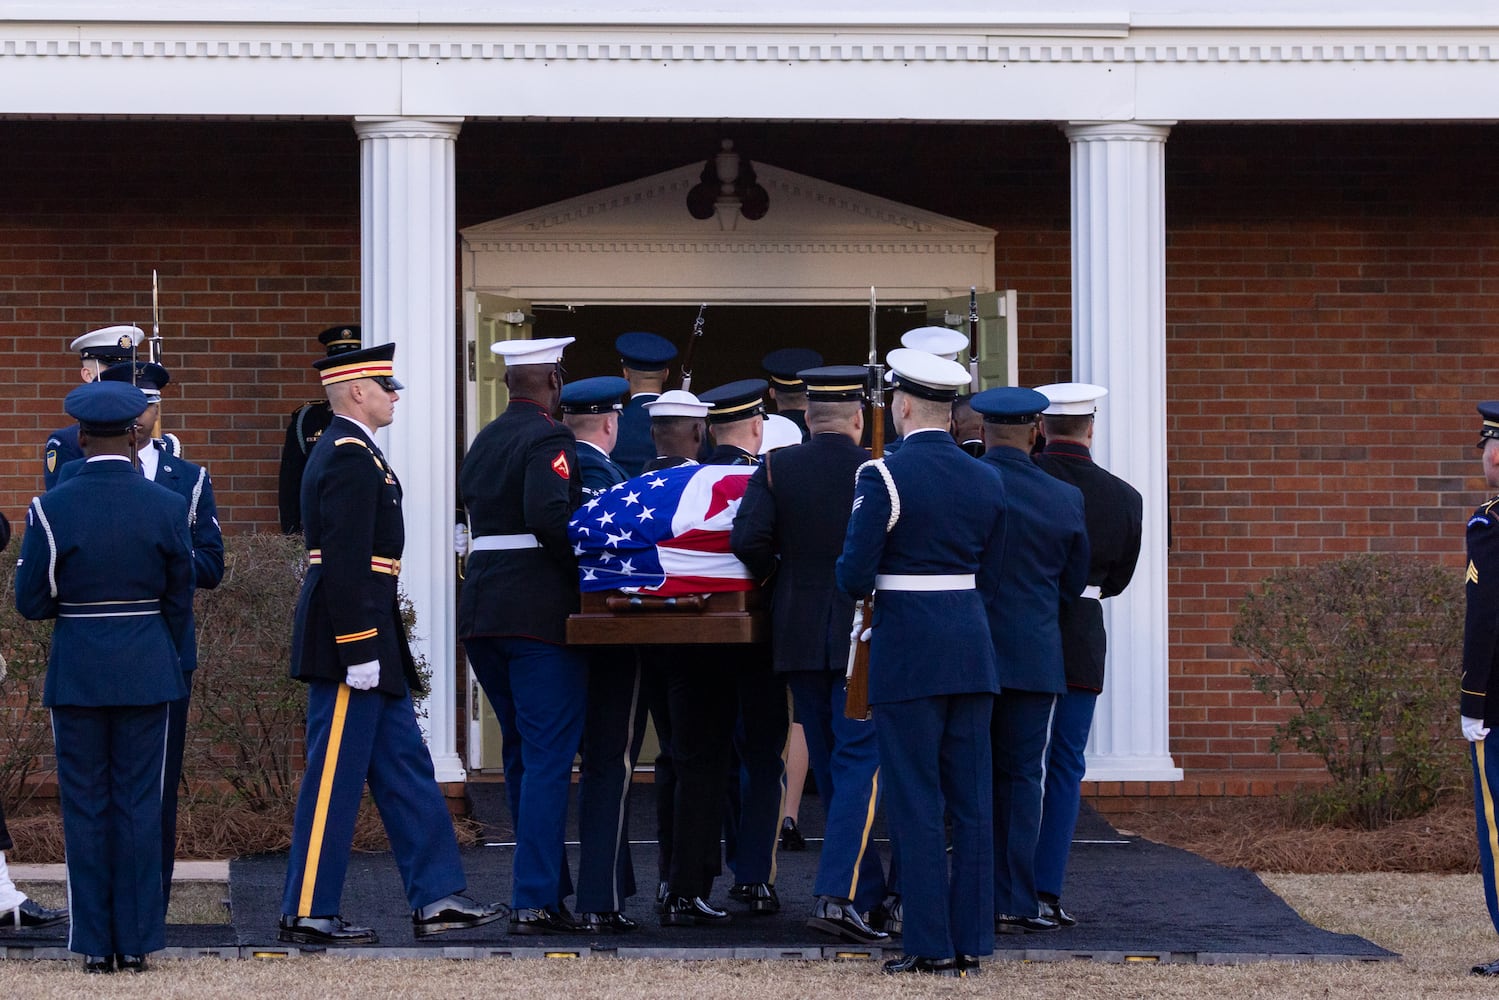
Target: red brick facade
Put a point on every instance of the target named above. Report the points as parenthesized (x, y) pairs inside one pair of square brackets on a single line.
[(1330, 291)]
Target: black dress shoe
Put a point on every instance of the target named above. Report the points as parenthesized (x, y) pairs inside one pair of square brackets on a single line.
[(542, 920), (30, 914), (690, 911), (662, 891), (607, 922), (889, 916), (760, 897), (130, 963), (843, 921), (323, 930), (1008, 923), (791, 836), (944, 967), (1054, 911), (454, 913), (98, 964), (968, 965), (1491, 969)]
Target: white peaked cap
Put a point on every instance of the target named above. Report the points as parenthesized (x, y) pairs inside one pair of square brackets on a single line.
[(531, 352), (677, 403), (780, 432), (942, 341), (940, 374), (122, 337), (1072, 398)]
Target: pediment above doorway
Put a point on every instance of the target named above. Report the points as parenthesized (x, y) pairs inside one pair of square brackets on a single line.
[(636, 242)]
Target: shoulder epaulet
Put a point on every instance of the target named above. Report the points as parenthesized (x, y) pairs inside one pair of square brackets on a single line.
[(351, 440), (1485, 513)]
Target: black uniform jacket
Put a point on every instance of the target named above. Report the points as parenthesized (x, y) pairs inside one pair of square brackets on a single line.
[(521, 477), (1481, 633), (348, 612), (306, 425), (796, 508), (1114, 511)]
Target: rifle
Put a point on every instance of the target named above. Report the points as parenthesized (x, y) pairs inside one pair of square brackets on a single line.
[(697, 334), (856, 699), (153, 348), (973, 338)]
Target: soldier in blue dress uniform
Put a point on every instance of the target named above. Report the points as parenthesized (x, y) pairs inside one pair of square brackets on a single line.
[(108, 555), (614, 724), (1113, 511), (644, 359), (192, 483), (1480, 656), (790, 529), (787, 390), (306, 425), (1042, 567), (520, 484), (97, 350), (350, 647), (932, 676)]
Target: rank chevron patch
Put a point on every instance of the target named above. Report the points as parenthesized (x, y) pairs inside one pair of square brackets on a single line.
[(1472, 572)]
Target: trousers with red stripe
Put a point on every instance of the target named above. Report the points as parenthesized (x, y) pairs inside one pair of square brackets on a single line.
[(354, 737)]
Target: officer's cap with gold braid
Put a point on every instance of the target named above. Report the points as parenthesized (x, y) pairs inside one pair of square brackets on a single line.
[(1490, 413), (736, 401), (784, 367), (340, 339), (835, 383), (376, 363)]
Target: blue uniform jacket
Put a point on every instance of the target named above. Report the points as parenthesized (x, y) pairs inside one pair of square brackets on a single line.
[(348, 611), (108, 555), (1042, 567), (952, 515), (634, 446), (791, 523), (62, 448), (597, 470), (520, 476)]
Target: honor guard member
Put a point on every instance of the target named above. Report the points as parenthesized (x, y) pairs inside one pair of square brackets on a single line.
[(614, 723), (1113, 510), (192, 483), (97, 350), (787, 391), (643, 360), (1480, 654), (968, 427), (350, 647), (736, 423), (107, 554), (307, 423), (790, 528), (1042, 566), (678, 430), (925, 520), (520, 485)]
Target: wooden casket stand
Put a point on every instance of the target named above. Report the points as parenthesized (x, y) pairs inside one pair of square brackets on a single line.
[(610, 618)]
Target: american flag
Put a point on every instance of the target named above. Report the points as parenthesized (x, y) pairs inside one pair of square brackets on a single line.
[(663, 533)]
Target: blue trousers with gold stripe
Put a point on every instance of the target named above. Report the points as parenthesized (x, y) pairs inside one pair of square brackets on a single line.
[(354, 737), (1486, 807), (845, 758)]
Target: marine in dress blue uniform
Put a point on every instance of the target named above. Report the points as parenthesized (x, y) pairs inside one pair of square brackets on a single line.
[(614, 724), (790, 530), (932, 677), (1113, 511), (1479, 701), (644, 359), (736, 421), (97, 350), (349, 646), (787, 390), (305, 426), (108, 555), (520, 484), (1042, 567)]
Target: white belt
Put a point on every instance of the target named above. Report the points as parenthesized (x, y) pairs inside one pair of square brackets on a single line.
[(924, 581), (1094, 592), (495, 543)]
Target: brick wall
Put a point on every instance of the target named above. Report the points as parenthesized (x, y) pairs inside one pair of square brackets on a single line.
[(1330, 295)]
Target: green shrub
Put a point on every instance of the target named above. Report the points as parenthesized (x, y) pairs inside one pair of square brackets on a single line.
[(25, 726), (1368, 648)]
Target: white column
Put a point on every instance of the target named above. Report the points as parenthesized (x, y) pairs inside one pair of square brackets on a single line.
[(1119, 342), (408, 247)]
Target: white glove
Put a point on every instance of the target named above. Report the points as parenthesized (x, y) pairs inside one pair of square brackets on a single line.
[(460, 539), (1474, 729), (864, 635), (363, 676), (858, 624)]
